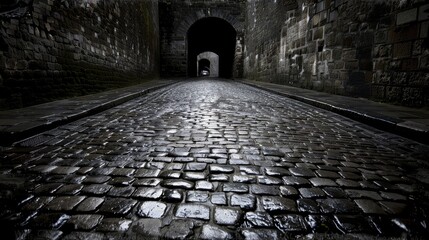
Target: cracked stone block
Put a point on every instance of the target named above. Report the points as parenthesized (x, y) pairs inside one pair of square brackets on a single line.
[(151, 209), (226, 216), (197, 211), (278, 204), (290, 223), (258, 219), (244, 201)]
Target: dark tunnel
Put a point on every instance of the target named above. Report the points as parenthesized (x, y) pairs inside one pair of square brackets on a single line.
[(214, 35)]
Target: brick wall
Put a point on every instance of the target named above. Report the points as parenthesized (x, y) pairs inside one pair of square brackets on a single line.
[(373, 49), (67, 48)]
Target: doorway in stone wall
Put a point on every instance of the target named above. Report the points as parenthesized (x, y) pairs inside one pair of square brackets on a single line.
[(211, 38)]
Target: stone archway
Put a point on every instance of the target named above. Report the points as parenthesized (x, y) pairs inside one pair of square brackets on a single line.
[(215, 35)]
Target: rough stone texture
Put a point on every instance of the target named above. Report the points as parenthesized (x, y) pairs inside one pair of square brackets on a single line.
[(70, 48), (359, 48)]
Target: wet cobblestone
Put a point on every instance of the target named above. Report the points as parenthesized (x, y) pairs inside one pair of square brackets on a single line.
[(215, 159)]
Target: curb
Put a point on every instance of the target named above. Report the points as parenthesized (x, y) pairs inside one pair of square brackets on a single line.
[(387, 124), (8, 138)]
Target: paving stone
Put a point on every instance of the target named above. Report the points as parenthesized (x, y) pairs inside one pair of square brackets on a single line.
[(311, 192), (322, 182), (369, 206), (218, 198), (335, 192), (243, 179), (288, 191), (147, 182), (295, 181), (221, 169), (327, 174), (37, 203), (126, 191), (84, 235), (276, 171), (226, 216), (147, 173), (148, 193), (394, 207), (69, 189), (219, 177), (96, 179), (49, 220), (84, 222), (350, 176), (393, 196), (244, 201), (89, 204), (363, 194), (197, 211), (320, 223), (197, 196), (179, 229), (290, 223), (352, 224), (114, 225), (44, 234), (258, 219), (239, 162), (125, 172), (66, 203), (204, 185), (121, 181), (278, 204), (235, 187), (333, 205), (269, 180), (117, 206), (251, 170), (192, 176), (152, 209), (210, 231), (347, 183), (48, 188), (148, 228), (96, 189), (264, 189), (195, 166), (64, 170), (301, 172), (170, 174), (260, 234), (307, 206), (172, 195), (176, 183)]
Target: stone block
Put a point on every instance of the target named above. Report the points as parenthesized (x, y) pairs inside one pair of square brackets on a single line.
[(401, 50), (410, 64), (424, 12), (406, 16), (404, 33), (424, 29), (377, 92)]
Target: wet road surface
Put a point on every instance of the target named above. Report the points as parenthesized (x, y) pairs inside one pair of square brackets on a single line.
[(210, 159)]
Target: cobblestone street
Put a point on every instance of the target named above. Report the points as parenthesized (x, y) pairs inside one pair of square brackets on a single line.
[(214, 159)]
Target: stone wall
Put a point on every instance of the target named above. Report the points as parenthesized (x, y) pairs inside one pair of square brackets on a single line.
[(176, 17), (65, 48), (374, 49)]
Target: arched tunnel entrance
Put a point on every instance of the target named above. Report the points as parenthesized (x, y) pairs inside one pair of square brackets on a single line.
[(211, 35)]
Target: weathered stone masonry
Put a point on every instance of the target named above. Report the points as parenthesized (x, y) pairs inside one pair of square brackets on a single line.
[(375, 49), (73, 47)]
